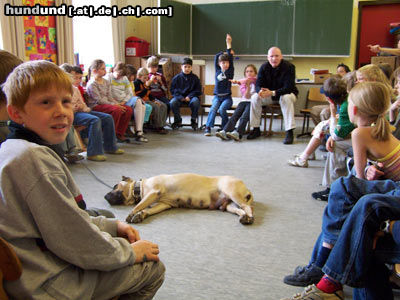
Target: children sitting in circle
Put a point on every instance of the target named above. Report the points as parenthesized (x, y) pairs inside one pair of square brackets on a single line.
[(101, 99), (242, 111)]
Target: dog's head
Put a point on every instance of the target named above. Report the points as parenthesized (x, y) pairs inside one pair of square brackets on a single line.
[(121, 192)]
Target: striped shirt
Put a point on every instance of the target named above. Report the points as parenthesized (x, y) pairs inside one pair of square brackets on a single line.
[(391, 164)]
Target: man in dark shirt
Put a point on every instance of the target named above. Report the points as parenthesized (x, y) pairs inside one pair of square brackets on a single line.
[(275, 83)]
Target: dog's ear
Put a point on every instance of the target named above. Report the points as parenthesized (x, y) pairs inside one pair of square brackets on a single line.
[(124, 178)]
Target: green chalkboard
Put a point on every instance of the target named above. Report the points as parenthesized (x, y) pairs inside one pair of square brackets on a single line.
[(297, 27), (253, 26), (175, 31), (323, 27)]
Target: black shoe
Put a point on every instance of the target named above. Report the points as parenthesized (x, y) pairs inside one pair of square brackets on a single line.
[(176, 125), (194, 125), (304, 276), (322, 195), (289, 137), (255, 133)]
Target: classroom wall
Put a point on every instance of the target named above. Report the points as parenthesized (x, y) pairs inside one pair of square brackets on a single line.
[(143, 28)]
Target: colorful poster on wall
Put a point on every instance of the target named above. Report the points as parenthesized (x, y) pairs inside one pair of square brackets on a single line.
[(40, 34)]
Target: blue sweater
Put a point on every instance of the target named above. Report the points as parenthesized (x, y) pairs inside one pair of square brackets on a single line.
[(183, 86), (223, 87)]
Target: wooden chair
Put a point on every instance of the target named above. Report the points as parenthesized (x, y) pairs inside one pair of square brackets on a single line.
[(10, 266), (78, 139), (313, 96)]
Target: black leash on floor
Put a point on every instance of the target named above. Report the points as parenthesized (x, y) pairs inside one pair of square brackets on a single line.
[(95, 176)]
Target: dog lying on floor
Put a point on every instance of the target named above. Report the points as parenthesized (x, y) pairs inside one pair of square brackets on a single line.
[(159, 193)]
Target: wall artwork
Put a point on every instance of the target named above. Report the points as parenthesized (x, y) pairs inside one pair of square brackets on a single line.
[(40, 34)]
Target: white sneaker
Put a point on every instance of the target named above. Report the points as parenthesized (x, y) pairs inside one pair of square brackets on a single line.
[(298, 162), (313, 293), (222, 135), (311, 157), (234, 135)]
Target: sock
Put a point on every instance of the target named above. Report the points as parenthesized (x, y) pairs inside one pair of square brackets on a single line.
[(303, 156), (323, 254), (329, 285)]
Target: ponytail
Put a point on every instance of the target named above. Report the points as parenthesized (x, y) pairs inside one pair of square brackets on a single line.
[(381, 129)]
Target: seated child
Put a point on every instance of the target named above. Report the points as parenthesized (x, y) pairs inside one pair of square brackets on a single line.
[(185, 88), (8, 63), (99, 91), (100, 126), (242, 111), (63, 251), (159, 114), (335, 90), (121, 91), (158, 83), (222, 101)]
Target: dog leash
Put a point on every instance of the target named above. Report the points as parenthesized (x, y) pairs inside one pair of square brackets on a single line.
[(94, 175)]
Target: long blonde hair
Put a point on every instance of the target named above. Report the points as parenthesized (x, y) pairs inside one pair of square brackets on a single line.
[(373, 101)]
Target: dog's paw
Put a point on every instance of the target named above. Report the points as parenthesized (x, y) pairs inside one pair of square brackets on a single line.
[(246, 220), (135, 218)]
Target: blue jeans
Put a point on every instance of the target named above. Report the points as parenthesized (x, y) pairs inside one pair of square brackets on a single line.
[(353, 261), (221, 105), (100, 131), (364, 204), (241, 112), (176, 103), (344, 194)]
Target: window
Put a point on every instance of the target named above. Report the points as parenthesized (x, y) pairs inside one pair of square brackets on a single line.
[(93, 36)]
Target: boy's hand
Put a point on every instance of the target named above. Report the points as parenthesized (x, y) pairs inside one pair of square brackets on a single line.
[(145, 251), (128, 232), (228, 41), (330, 144), (374, 48)]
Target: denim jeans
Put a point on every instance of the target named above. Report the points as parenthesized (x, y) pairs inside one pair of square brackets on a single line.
[(242, 112), (352, 260), (176, 103), (344, 194), (100, 131), (221, 105)]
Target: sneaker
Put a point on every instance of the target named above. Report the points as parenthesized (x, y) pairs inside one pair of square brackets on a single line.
[(222, 135), (123, 140), (304, 276), (176, 125), (234, 135), (207, 131), (194, 125), (118, 151), (289, 137), (97, 157), (255, 133), (322, 195), (313, 293), (297, 161), (73, 157)]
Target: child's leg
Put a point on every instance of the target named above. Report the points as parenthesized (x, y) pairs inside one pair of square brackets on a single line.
[(148, 111), (108, 129), (226, 104), (139, 112), (230, 125), (244, 119), (213, 112), (335, 165), (175, 105), (311, 147), (95, 135), (194, 105), (166, 101)]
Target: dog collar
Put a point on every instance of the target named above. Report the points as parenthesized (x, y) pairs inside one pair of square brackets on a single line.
[(137, 195)]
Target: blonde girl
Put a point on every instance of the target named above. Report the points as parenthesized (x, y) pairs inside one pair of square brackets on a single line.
[(121, 90), (242, 111), (372, 139), (99, 91)]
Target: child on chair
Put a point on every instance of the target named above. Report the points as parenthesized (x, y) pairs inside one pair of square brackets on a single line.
[(222, 101), (185, 88), (64, 252), (100, 126), (242, 111), (99, 91), (121, 91), (158, 83)]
